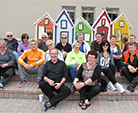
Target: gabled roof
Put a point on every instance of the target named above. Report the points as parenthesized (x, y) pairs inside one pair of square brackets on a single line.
[(100, 16), (83, 20), (66, 14), (45, 15), (124, 18)]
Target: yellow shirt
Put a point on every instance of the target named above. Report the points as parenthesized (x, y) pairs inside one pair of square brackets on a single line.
[(34, 57)]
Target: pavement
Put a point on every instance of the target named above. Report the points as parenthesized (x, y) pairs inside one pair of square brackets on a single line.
[(34, 106)]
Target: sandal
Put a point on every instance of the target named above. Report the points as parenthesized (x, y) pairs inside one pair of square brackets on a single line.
[(85, 106), (81, 103)]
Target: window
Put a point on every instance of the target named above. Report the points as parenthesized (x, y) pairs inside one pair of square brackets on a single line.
[(88, 14), (113, 13), (70, 11)]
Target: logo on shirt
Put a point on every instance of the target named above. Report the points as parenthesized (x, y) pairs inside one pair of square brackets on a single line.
[(73, 58), (36, 53), (79, 58)]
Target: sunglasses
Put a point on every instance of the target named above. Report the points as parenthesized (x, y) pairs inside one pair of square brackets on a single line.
[(44, 37), (25, 37), (49, 45), (64, 37), (106, 45), (77, 47), (9, 35), (2, 47)]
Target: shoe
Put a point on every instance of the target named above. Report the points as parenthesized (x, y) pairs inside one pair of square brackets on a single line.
[(81, 103), (38, 84), (130, 88), (46, 105), (120, 88), (54, 106), (85, 106), (111, 86), (1, 86), (23, 83), (72, 88)]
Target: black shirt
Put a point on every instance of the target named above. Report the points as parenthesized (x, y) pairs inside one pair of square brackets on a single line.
[(55, 71), (95, 46), (66, 48)]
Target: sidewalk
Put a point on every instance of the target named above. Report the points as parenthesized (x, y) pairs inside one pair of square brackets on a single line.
[(34, 106)]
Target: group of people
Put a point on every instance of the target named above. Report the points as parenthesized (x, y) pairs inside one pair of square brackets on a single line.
[(87, 66)]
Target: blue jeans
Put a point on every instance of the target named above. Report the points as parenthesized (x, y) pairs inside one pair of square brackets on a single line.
[(16, 55), (73, 71)]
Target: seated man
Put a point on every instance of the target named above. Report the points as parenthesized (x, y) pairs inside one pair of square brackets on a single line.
[(54, 76), (12, 44), (133, 40), (35, 58), (115, 50), (85, 48), (42, 44), (129, 62)]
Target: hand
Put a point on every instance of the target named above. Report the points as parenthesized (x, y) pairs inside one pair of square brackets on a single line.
[(57, 85), (51, 83), (64, 54), (76, 63), (4, 65), (81, 84), (102, 74), (76, 85), (30, 66), (85, 54), (26, 66)]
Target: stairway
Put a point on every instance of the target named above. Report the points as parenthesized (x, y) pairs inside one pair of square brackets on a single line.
[(30, 91)]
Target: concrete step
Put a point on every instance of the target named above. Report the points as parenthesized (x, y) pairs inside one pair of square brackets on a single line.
[(30, 91), (33, 78)]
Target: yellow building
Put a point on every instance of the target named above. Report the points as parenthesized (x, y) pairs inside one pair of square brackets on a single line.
[(121, 28)]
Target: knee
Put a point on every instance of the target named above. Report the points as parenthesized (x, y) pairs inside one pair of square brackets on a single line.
[(67, 91), (72, 66), (42, 84), (123, 68)]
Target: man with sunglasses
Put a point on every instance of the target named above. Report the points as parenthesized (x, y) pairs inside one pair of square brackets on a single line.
[(42, 44), (12, 43), (85, 48)]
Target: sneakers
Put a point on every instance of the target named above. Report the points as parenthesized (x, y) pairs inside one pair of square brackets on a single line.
[(46, 105), (130, 88), (23, 83), (54, 106), (38, 84), (72, 88), (111, 86), (1, 86), (120, 88)]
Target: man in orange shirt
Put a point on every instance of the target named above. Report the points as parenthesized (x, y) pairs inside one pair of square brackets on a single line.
[(35, 59)]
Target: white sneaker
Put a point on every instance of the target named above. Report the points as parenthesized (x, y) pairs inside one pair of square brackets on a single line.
[(111, 86), (1, 86), (120, 88)]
